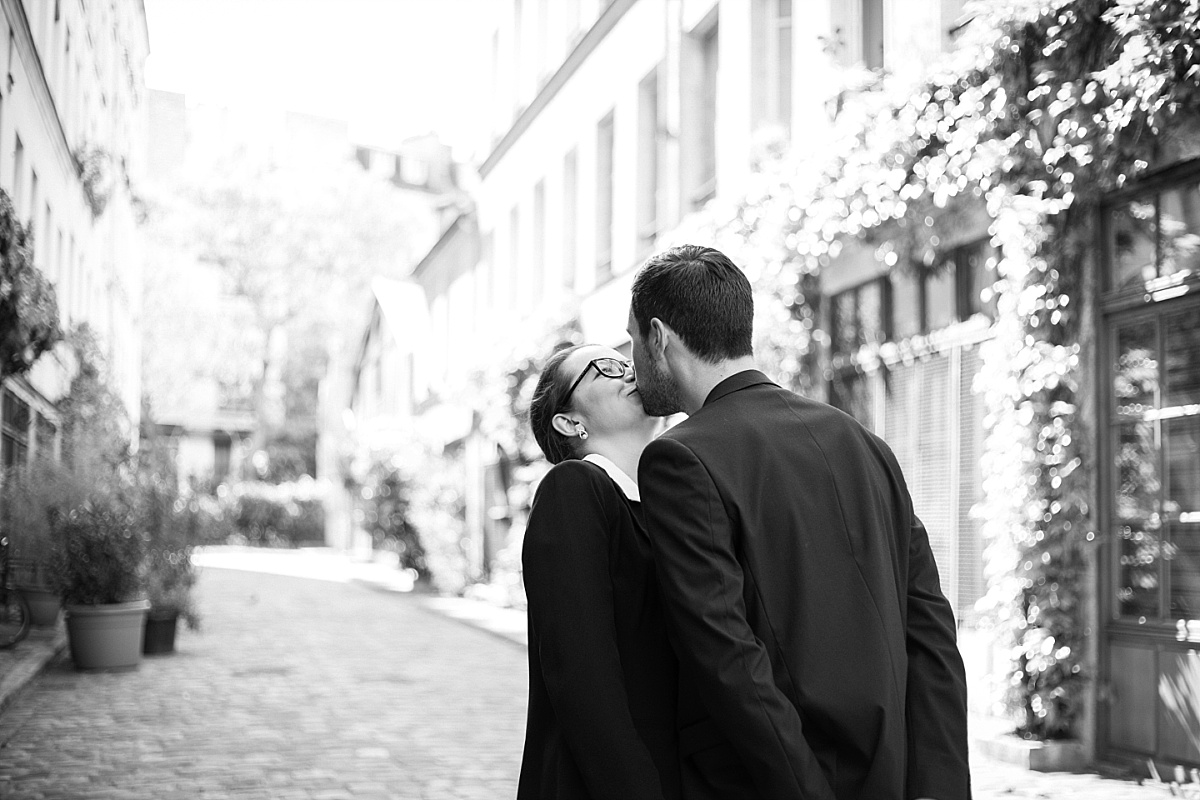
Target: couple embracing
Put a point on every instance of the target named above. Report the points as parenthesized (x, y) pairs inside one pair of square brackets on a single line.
[(746, 606)]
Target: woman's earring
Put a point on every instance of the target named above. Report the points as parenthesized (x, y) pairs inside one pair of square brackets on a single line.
[(582, 432)]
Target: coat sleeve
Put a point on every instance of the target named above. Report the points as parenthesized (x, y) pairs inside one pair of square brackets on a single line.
[(702, 585), (565, 557), (937, 685)]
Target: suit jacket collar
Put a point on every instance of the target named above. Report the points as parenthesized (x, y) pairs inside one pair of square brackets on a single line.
[(735, 383)]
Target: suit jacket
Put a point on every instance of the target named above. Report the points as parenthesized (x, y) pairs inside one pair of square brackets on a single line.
[(817, 652), (602, 675)]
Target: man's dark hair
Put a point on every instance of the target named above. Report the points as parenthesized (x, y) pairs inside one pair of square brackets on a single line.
[(702, 296), (547, 398)]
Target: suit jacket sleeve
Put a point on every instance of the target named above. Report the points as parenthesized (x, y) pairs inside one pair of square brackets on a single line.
[(565, 558), (937, 686), (702, 583)]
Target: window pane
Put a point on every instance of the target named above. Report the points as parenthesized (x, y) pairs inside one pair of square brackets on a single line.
[(845, 323), (870, 313), (906, 304), (977, 271), (1137, 524), (939, 298), (1135, 369), (1179, 219), (1181, 441), (1183, 360), (1134, 231)]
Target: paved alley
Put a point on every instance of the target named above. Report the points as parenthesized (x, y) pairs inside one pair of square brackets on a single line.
[(307, 689)]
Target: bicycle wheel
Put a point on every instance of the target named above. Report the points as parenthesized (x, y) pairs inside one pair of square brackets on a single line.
[(14, 618)]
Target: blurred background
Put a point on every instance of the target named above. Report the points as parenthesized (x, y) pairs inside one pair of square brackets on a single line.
[(301, 261)]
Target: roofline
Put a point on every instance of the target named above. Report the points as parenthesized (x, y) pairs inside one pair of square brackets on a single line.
[(591, 40), (441, 242)]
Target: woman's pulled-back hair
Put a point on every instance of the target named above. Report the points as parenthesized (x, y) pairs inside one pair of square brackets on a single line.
[(547, 397)]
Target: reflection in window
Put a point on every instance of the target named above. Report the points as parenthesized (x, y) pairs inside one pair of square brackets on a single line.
[(1183, 360), (1181, 443), (1134, 232), (1179, 223), (1138, 524), (858, 318)]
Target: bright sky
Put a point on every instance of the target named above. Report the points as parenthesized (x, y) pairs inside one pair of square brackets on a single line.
[(391, 68)]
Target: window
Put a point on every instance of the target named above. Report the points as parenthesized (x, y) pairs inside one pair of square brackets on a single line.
[(872, 34), (1153, 237), (33, 204), (538, 260), (570, 217), (779, 71), (857, 318), (648, 163), (14, 433), (700, 116), (18, 176), (604, 198), (959, 285), (45, 437), (514, 256)]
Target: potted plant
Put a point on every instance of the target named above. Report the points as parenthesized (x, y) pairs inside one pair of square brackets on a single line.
[(99, 568), (31, 497)]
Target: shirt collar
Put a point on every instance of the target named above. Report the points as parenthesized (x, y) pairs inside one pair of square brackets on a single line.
[(624, 482), (735, 383)]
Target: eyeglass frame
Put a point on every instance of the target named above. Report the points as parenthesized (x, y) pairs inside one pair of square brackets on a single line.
[(626, 366)]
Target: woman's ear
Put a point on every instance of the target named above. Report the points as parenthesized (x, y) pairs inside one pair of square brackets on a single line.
[(565, 425)]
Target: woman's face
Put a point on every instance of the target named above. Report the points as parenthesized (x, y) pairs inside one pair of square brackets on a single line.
[(602, 403)]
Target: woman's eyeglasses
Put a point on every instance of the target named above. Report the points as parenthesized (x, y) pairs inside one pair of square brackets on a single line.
[(608, 367)]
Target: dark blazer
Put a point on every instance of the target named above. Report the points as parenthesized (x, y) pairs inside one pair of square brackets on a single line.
[(602, 675), (817, 651)]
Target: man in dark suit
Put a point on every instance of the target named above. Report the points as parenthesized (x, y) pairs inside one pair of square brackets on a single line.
[(817, 651)]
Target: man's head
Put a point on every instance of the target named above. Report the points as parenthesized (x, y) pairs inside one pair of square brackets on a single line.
[(697, 295)]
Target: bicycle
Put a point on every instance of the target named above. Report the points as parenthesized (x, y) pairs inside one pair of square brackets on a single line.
[(14, 608)]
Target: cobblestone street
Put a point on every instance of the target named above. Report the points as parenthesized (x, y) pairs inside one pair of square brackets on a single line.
[(319, 690)]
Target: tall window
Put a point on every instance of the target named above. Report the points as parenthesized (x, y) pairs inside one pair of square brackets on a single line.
[(19, 176), (31, 220), (648, 163), (956, 287), (604, 198), (538, 256), (700, 114), (779, 72), (14, 433), (570, 218), (514, 256), (872, 34)]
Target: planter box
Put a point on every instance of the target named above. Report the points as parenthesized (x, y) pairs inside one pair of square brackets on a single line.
[(107, 636), (1059, 755)]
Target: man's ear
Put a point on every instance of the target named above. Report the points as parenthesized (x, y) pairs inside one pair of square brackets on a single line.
[(658, 337), (565, 425)]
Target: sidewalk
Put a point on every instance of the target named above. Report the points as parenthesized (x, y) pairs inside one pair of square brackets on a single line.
[(992, 778)]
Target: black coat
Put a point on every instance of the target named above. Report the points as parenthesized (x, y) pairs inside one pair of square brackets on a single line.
[(817, 652), (602, 676)]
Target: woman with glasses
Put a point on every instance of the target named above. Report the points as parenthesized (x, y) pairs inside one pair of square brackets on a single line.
[(602, 676)]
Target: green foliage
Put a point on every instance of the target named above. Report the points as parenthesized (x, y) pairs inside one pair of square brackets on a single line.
[(385, 505), (31, 498), (171, 525), (95, 424), (274, 515), (100, 553), (28, 308)]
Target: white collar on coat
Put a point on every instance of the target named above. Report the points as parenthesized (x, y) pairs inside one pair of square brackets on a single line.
[(623, 481)]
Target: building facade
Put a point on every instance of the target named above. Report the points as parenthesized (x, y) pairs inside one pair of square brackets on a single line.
[(72, 158)]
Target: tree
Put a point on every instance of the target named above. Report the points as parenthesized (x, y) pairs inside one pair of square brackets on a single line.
[(293, 249)]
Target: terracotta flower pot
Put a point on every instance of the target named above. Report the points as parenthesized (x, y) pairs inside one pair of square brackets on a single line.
[(107, 636)]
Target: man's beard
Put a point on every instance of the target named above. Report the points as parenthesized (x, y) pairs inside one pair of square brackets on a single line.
[(659, 392)]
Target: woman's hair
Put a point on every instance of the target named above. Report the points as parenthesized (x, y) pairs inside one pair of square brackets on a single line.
[(547, 397)]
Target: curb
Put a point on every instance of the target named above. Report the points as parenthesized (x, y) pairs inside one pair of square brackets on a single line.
[(26, 660)]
